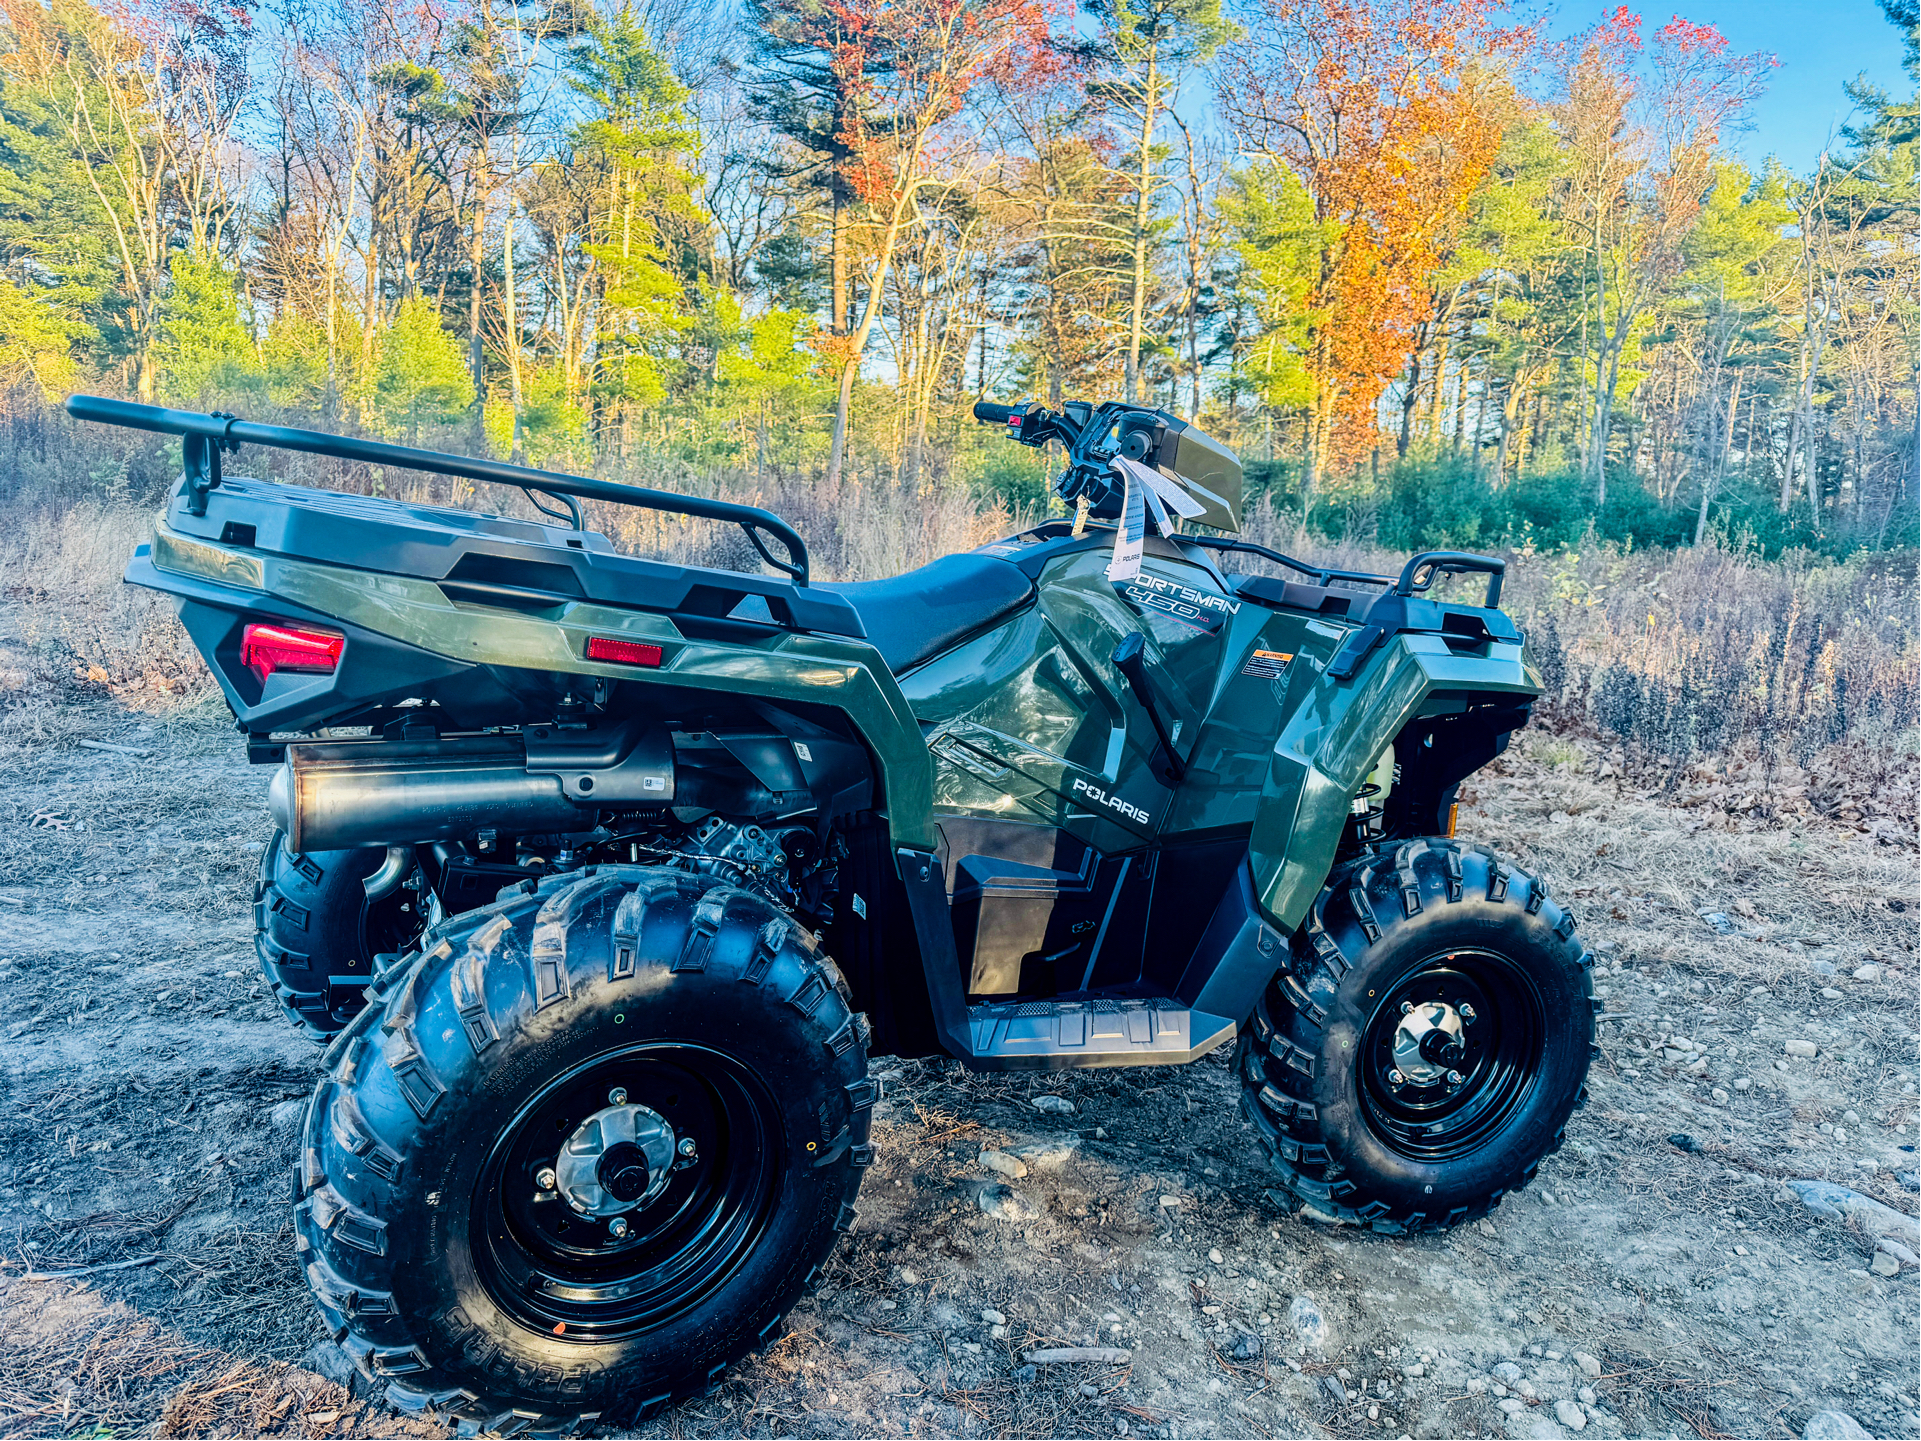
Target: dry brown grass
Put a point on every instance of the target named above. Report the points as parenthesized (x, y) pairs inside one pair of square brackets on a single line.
[(73, 1363), (78, 629)]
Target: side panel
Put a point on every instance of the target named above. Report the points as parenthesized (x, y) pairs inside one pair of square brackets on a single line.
[(1270, 663), (1032, 721), (1332, 740)]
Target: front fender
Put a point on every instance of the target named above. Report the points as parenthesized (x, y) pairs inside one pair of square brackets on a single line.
[(1331, 742)]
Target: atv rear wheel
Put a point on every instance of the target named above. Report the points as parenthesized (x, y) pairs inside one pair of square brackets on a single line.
[(316, 933), (1426, 1043), (584, 1152)]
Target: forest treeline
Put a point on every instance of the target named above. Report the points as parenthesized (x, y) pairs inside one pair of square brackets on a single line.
[(1439, 277)]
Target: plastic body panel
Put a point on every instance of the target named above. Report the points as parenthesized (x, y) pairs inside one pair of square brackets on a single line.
[(223, 584), (514, 559), (1331, 739), (1031, 721)]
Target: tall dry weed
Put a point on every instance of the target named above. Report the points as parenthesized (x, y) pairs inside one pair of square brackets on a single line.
[(77, 627)]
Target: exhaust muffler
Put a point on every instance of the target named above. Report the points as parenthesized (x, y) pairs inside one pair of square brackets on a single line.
[(336, 796)]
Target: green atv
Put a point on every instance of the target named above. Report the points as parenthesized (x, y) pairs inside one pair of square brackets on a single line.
[(606, 876)]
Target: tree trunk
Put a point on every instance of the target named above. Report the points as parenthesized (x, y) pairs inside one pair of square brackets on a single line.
[(1437, 400), (1711, 483), (837, 449), (904, 203), (1461, 369), (1607, 377), (1143, 202), (1410, 398), (837, 239), (477, 259), (510, 310)]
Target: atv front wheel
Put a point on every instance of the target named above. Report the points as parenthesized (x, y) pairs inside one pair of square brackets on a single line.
[(1425, 1045), (316, 933), (584, 1152)]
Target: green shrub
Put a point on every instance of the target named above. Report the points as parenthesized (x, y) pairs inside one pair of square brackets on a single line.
[(1019, 477)]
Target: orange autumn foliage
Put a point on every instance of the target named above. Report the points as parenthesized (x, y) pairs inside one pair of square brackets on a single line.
[(905, 67), (1390, 112)]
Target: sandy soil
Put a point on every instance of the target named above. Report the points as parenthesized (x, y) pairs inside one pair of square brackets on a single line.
[(150, 1092)]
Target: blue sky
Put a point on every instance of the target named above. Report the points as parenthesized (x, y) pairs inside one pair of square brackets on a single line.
[(1820, 44)]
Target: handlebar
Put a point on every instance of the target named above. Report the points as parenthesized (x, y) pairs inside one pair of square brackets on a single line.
[(991, 414), (211, 433), (1438, 563)]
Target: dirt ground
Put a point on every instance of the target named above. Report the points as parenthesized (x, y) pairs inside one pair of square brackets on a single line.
[(1657, 1279)]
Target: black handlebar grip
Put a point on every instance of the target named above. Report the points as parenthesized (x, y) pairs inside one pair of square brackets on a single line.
[(991, 414)]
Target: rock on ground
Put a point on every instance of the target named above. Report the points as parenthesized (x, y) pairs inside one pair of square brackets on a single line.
[(1833, 1426)]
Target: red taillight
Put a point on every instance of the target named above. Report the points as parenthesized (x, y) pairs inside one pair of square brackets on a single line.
[(265, 649), (622, 652)]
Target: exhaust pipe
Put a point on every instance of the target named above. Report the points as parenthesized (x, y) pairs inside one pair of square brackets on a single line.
[(385, 881), (330, 798)]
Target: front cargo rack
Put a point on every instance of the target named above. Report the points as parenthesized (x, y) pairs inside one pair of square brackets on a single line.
[(205, 436)]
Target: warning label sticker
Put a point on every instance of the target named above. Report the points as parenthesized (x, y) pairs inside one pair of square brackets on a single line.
[(1268, 664)]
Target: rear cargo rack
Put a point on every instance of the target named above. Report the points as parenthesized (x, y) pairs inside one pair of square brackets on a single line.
[(205, 436)]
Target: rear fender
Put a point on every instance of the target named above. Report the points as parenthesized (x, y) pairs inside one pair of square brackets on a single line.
[(1332, 741), (813, 670)]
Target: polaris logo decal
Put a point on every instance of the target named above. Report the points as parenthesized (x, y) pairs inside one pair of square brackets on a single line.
[(1100, 797), (1200, 610)]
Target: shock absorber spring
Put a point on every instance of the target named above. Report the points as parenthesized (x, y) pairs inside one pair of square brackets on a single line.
[(1366, 819)]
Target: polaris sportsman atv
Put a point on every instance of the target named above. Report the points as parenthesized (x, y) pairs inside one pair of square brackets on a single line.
[(605, 876)]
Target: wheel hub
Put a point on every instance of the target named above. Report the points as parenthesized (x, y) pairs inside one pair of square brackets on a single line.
[(617, 1160), (1429, 1044)]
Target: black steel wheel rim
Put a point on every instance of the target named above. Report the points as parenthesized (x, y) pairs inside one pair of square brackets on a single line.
[(570, 1276), (1503, 1048)]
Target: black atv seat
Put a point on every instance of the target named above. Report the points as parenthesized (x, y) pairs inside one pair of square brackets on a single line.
[(914, 617)]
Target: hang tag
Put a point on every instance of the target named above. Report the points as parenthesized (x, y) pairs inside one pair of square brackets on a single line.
[(1130, 536), (1173, 494)]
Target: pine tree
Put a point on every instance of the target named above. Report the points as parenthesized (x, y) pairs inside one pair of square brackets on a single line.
[(203, 349), (1143, 50), (1277, 239), (634, 149), (421, 374)]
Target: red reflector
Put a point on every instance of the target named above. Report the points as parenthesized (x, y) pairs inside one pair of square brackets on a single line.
[(625, 652), (265, 649)]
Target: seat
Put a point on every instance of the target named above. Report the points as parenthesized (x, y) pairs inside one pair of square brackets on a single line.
[(914, 617)]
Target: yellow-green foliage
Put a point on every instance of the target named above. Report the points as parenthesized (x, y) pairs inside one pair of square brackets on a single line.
[(204, 348), (1270, 215), (421, 374), (36, 340)]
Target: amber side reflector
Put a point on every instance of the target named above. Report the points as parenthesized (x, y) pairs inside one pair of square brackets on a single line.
[(622, 652), (265, 649), (1453, 815)]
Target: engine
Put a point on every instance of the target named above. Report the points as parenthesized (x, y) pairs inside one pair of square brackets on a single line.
[(752, 802)]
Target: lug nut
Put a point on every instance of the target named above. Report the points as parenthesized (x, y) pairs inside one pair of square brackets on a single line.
[(1467, 1013), (1395, 1078), (1407, 1008), (617, 1228), (686, 1147), (617, 1096), (544, 1178), (1454, 1078)]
